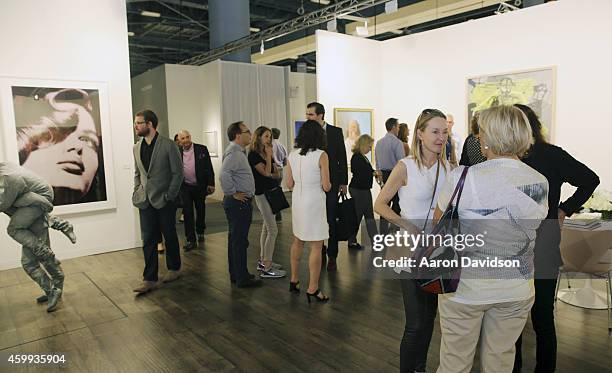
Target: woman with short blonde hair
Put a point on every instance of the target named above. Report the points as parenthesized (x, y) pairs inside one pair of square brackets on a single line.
[(360, 188), (504, 201)]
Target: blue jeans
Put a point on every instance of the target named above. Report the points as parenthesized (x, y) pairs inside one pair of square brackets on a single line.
[(239, 216)]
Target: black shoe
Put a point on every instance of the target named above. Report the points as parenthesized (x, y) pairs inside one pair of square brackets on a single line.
[(354, 246), (189, 246), (294, 287), (42, 299), (250, 283), (331, 265), (201, 238), (54, 298), (317, 295), (252, 277)]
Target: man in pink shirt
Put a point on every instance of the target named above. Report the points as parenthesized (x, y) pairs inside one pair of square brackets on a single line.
[(198, 181)]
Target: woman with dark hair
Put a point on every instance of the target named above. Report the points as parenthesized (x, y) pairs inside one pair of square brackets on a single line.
[(471, 153), (558, 167), (266, 177), (403, 134), (63, 146), (308, 177)]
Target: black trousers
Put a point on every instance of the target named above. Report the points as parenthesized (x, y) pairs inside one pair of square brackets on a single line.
[(543, 320), (239, 216), (153, 223), (331, 202), (420, 308), (193, 196), (394, 203)]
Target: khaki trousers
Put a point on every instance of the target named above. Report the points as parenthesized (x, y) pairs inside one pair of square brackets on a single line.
[(497, 325)]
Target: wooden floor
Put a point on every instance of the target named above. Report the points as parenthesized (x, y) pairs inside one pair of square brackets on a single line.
[(202, 323)]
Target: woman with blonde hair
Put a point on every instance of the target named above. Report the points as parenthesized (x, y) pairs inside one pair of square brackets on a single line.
[(403, 134), (266, 178), (360, 187), (417, 179), (504, 201)]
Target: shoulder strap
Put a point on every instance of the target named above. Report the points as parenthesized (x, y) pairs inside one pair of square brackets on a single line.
[(433, 194), (458, 188)]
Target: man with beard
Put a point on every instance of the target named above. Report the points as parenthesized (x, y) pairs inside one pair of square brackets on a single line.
[(157, 181)]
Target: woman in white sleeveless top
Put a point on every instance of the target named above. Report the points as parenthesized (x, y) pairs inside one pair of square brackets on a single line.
[(308, 176), (414, 179)]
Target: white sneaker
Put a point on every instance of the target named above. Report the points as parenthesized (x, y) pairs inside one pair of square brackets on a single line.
[(273, 273)]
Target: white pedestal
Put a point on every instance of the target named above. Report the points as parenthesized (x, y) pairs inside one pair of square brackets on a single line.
[(585, 297)]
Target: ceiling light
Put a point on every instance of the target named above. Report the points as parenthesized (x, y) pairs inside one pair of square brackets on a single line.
[(130, 33), (262, 48), (397, 32), (322, 2), (254, 29), (146, 13), (390, 7), (362, 30)]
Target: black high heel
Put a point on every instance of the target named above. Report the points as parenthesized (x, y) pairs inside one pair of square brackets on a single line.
[(294, 287), (315, 295)]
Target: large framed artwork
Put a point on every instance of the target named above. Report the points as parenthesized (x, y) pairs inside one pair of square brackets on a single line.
[(354, 123), (60, 130), (534, 88), (211, 140)]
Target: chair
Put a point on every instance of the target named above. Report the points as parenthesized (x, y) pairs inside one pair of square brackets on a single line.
[(584, 251)]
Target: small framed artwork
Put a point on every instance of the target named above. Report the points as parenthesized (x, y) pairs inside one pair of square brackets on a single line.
[(354, 123), (211, 140), (60, 130)]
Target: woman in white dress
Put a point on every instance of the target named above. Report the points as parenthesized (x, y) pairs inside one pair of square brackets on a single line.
[(307, 173)]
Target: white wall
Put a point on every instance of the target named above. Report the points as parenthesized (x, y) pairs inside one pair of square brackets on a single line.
[(149, 92), (302, 91), (210, 75), (430, 69), (78, 40), (349, 71)]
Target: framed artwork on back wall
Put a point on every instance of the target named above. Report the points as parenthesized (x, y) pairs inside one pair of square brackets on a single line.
[(354, 123), (60, 130), (534, 88)]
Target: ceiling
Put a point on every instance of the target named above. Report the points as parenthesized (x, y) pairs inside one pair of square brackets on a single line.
[(181, 30)]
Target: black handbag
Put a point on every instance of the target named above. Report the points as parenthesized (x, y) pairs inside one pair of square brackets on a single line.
[(346, 218), (277, 200), (444, 279)]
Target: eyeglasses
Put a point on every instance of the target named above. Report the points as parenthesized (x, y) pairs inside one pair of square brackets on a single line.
[(247, 131)]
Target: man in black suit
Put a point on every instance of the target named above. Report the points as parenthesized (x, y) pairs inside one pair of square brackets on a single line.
[(198, 181), (338, 173)]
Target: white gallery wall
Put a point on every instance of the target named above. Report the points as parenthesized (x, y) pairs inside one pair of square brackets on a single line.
[(430, 69), (302, 90), (77, 40), (205, 99), (151, 88)]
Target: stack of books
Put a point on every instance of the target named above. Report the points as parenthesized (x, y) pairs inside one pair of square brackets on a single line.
[(587, 221)]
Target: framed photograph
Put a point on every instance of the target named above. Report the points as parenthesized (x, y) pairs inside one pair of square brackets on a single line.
[(60, 130), (211, 140), (534, 88), (354, 123)]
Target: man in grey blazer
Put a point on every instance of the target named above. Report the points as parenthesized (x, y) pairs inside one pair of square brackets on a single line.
[(157, 180)]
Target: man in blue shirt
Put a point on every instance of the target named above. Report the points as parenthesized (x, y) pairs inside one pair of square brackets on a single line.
[(388, 151), (238, 187)]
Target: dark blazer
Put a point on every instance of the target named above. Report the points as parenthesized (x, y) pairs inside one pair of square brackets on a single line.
[(161, 183), (338, 170), (205, 175)]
